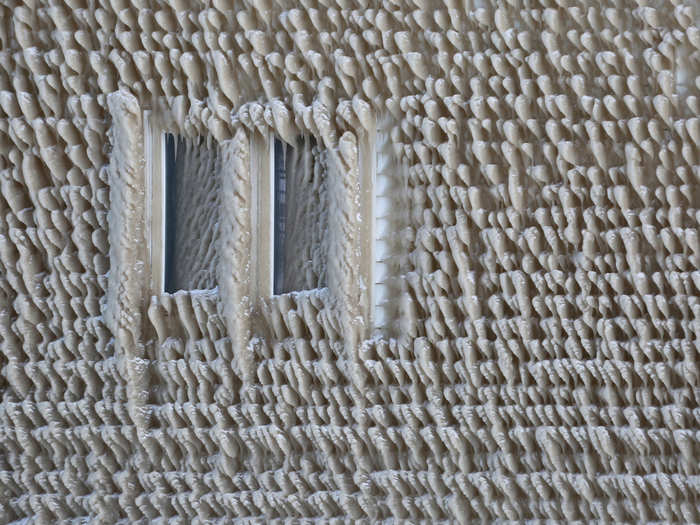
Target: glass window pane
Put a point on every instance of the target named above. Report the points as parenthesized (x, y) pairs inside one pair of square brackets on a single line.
[(301, 216), (192, 203)]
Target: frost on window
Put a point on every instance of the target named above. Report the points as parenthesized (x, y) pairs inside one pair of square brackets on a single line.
[(300, 215), (191, 222)]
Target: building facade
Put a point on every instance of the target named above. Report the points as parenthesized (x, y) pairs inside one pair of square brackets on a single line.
[(421, 261)]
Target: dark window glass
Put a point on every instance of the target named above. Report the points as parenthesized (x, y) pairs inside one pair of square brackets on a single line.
[(192, 203), (300, 216)]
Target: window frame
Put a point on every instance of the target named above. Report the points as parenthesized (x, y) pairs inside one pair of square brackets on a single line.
[(262, 161), (262, 178), (155, 157)]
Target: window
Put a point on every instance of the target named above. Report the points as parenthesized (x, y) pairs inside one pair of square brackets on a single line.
[(192, 196), (307, 202), (184, 196), (300, 215)]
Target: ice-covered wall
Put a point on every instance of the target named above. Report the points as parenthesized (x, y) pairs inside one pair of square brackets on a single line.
[(547, 366)]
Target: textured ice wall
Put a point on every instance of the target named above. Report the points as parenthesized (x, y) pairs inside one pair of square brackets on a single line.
[(548, 368)]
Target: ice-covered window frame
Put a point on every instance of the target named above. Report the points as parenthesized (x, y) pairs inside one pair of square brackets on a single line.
[(183, 192), (328, 218), (134, 283), (291, 204), (299, 215), (390, 219)]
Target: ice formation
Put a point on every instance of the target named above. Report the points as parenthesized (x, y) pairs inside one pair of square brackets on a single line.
[(546, 366)]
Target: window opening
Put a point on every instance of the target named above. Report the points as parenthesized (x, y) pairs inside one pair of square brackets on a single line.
[(300, 215), (191, 193)]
